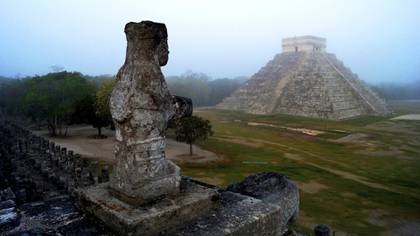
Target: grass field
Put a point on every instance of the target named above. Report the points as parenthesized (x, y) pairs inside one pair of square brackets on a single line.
[(365, 184)]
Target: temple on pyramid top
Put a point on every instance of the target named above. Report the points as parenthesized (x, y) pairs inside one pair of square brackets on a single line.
[(306, 43)]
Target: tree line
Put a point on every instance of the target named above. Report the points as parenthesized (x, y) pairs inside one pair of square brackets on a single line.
[(399, 91), (203, 90), (60, 99)]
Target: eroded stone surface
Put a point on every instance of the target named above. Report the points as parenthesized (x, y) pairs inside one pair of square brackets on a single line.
[(141, 107), (262, 204), (238, 215), (272, 188), (160, 217)]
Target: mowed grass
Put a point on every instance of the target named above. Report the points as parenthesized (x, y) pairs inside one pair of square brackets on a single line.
[(370, 186)]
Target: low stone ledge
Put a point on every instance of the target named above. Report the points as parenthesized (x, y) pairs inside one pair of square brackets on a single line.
[(237, 215), (262, 204), (271, 188), (160, 217)]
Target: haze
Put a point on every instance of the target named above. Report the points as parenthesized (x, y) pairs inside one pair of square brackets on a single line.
[(379, 40)]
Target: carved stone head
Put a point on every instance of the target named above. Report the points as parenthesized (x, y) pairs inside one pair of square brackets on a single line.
[(150, 40)]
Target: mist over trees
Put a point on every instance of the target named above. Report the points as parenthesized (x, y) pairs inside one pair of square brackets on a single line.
[(202, 89), (395, 91), (60, 99), (57, 100)]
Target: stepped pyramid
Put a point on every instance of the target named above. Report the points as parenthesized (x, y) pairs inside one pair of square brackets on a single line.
[(305, 80)]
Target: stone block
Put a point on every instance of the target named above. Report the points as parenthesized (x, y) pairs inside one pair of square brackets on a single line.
[(238, 215), (9, 218), (164, 215), (7, 194), (165, 180), (262, 204), (7, 204), (322, 230), (272, 188), (21, 196)]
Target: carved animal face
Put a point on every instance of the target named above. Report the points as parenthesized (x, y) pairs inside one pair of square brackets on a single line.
[(162, 52)]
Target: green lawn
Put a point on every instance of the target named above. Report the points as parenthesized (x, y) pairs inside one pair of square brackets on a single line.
[(364, 188)]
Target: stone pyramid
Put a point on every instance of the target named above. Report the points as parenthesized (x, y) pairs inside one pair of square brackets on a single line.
[(305, 80)]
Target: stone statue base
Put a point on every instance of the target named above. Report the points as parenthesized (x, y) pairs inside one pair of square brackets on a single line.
[(262, 204), (163, 215), (166, 182)]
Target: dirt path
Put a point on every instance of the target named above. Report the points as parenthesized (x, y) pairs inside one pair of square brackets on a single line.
[(253, 142), (311, 186), (311, 132), (407, 117), (103, 149), (352, 138)]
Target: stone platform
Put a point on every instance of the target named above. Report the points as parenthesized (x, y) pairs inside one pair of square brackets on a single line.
[(262, 204), (238, 215), (163, 216)]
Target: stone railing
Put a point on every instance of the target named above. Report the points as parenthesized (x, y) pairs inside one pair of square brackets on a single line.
[(25, 155), (38, 180)]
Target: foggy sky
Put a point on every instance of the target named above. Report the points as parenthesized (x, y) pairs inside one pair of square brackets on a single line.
[(379, 40)]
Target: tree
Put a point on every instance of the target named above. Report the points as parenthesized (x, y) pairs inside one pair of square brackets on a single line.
[(11, 93), (94, 109), (222, 88), (84, 111), (102, 111), (191, 85), (54, 97), (202, 89), (191, 129)]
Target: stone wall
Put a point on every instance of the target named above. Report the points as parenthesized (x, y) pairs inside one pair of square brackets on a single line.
[(37, 180)]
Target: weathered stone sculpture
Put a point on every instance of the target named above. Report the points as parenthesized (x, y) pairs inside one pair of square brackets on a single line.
[(141, 106), (146, 194)]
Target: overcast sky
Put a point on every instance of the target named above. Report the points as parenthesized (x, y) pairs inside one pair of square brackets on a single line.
[(379, 40)]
